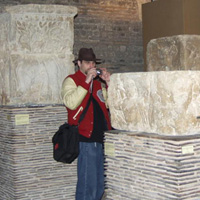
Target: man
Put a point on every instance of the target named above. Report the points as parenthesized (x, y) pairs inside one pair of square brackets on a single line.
[(76, 91)]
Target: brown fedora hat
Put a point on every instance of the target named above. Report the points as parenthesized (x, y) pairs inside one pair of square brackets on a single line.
[(87, 55)]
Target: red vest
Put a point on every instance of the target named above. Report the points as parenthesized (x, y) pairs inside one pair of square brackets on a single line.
[(86, 125)]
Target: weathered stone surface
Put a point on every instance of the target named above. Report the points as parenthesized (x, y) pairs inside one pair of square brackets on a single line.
[(181, 52), (162, 102), (36, 44)]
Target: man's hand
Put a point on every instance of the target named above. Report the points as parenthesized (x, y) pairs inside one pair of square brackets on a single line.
[(105, 75), (91, 73)]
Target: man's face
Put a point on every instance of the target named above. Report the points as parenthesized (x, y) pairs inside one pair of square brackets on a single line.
[(86, 65)]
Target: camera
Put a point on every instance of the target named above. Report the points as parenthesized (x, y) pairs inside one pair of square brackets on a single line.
[(99, 71)]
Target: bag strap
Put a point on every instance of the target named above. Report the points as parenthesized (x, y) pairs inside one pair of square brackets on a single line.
[(85, 110)]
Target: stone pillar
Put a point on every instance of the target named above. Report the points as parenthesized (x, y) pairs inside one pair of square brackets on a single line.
[(36, 44)]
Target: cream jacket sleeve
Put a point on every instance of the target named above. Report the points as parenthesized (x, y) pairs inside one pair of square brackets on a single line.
[(72, 95)]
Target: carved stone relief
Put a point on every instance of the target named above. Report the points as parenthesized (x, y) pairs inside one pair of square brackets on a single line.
[(39, 41), (157, 102)]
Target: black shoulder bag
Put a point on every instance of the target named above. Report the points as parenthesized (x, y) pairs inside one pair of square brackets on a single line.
[(66, 140)]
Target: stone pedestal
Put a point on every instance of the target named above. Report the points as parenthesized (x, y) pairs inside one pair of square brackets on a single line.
[(155, 152), (27, 167), (180, 52), (36, 43), (167, 103), (150, 166)]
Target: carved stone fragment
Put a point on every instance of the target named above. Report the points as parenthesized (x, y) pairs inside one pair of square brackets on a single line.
[(160, 102), (36, 44), (181, 52)]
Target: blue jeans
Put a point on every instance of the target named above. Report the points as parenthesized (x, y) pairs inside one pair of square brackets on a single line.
[(90, 184)]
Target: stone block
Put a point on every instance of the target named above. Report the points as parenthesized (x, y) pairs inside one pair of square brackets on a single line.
[(180, 52), (161, 102), (36, 46)]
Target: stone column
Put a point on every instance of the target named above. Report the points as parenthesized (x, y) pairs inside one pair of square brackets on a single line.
[(36, 43)]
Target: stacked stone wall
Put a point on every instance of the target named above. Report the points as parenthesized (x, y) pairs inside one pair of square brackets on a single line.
[(150, 166), (27, 167)]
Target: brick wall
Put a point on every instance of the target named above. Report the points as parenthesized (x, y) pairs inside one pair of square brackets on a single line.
[(112, 28)]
